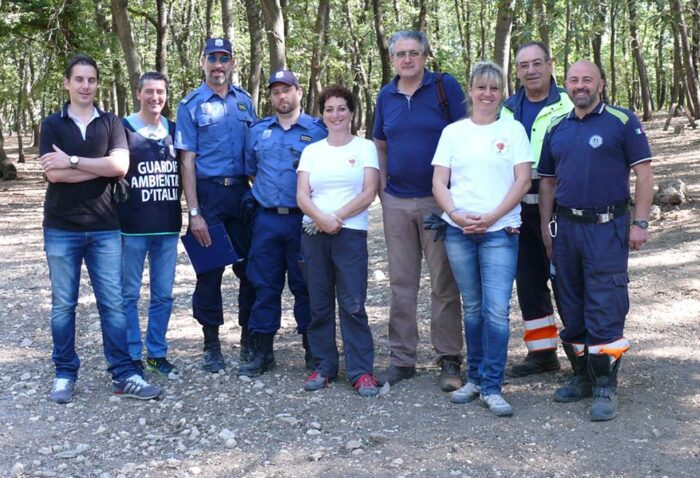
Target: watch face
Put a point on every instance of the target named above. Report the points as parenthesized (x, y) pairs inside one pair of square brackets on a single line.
[(642, 224)]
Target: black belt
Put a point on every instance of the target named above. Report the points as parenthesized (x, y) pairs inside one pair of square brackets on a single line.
[(283, 210), (230, 181), (597, 215)]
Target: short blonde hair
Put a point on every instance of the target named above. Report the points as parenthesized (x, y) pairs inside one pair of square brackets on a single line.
[(487, 71)]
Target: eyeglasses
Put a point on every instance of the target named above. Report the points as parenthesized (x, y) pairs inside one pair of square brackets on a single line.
[(535, 64), (407, 53), (223, 59)]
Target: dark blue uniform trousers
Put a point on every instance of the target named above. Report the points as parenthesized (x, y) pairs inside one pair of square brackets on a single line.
[(275, 249), (591, 265), (335, 266), (222, 204)]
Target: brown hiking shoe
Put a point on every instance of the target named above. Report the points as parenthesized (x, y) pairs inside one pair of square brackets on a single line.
[(450, 378)]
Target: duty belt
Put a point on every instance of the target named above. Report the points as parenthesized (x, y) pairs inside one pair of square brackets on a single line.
[(598, 215), (228, 181), (283, 210)]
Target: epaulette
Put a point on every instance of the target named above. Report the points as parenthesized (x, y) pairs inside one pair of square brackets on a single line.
[(241, 90), (319, 122), (259, 121), (189, 97), (555, 121)]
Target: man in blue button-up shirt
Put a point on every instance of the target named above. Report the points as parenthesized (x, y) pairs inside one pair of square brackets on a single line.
[(273, 149), (213, 122)]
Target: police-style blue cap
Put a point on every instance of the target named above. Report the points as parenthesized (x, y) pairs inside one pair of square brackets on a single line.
[(220, 45), (283, 76)]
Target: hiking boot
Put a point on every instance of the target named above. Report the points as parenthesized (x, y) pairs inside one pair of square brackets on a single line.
[(246, 351), (213, 361), (465, 394), (263, 358), (536, 362), (316, 381), (62, 390), (138, 367), (497, 405), (450, 378), (579, 386), (162, 367), (135, 387), (394, 374), (309, 359), (604, 376), (367, 385)]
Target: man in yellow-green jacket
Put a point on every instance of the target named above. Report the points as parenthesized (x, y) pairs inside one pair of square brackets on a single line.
[(535, 104)]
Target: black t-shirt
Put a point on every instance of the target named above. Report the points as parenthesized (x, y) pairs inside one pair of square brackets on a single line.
[(88, 205)]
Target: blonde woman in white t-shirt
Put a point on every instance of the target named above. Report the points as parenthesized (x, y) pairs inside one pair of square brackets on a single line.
[(482, 171), (337, 181)]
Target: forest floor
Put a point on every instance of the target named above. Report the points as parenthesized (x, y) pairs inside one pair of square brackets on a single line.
[(222, 426)]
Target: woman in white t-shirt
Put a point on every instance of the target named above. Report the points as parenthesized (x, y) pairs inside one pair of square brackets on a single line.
[(337, 182), (482, 171)]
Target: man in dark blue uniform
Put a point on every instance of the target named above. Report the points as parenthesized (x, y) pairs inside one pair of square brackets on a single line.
[(273, 149), (585, 164), (212, 123)]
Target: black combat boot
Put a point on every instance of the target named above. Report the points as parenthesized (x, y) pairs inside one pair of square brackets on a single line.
[(604, 376), (579, 386), (213, 360), (536, 362), (246, 351), (309, 359), (262, 359)]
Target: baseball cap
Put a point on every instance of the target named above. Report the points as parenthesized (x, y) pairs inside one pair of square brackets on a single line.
[(283, 76), (221, 45)]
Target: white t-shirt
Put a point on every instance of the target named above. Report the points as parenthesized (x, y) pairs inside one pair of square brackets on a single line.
[(337, 175), (481, 159)]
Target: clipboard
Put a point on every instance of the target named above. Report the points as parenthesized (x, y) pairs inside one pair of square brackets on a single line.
[(219, 254)]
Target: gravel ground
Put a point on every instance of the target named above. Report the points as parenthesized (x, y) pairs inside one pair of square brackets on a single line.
[(224, 426)]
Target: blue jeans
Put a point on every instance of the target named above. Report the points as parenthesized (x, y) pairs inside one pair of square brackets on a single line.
[(101, 250), (484, 267), (162, 258)]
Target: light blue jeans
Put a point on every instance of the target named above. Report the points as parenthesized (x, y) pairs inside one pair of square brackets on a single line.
[(484, 267), (162, 259), (101, 250)]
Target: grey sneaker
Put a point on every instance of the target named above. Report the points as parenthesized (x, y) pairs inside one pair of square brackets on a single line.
[(62, 390), (465, 394), (135, 387), (497, 405)]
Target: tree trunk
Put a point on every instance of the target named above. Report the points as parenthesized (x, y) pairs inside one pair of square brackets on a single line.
[(131, 54), (613, 73), (274, 27), (180, 29), (542, 25), (161, 37), (464, 34), (647, 107), (253, 14), (691, 77), (7, 169), (227, 18), (319, 56), (382, 43), (660, 71), (597, 41), (501, 42), (208, 11), (420, 23), (360, 80), (567, 37)]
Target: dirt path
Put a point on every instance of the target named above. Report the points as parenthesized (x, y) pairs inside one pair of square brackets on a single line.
[(222, 426)]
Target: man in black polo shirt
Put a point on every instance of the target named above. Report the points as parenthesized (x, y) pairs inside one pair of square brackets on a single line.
[(83, 151)]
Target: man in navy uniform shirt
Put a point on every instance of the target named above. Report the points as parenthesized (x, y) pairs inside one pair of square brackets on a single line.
[(273, 149), (212, 123), (83, 152), (409, 119), (585, 165)]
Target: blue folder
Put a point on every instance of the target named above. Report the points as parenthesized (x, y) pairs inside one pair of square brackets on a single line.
[(219, 254)]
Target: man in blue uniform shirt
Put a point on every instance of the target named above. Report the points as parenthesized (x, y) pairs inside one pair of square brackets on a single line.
[(411, 112), (212, 123), (535, 104), (273, 149), (585, 164)]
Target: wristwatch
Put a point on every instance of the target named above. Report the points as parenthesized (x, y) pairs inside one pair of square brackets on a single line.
[(74, 160), (641, 223), (194, 211)]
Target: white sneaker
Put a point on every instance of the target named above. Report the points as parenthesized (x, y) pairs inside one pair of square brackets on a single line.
[(497, 405), (465, 394)]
